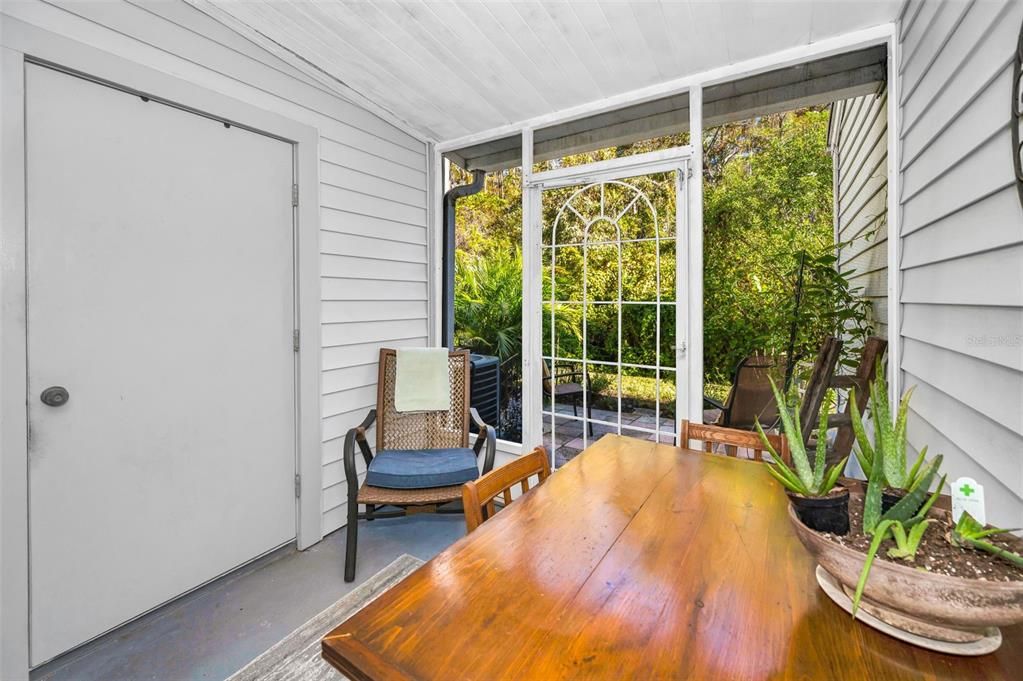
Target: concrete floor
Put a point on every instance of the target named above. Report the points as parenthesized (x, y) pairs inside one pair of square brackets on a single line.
[(568, 433), (214, 631)]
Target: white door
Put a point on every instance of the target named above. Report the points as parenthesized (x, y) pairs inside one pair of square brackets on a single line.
[(613, 241), (161, 297)]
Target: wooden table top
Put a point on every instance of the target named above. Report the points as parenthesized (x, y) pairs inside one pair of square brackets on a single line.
[(634, 561)]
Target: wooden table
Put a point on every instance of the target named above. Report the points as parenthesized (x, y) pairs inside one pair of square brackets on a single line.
[(634, 561)]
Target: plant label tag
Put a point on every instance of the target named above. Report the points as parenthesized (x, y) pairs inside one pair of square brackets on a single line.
[(968, 495)]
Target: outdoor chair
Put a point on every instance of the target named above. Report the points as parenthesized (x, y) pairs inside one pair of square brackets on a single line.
[(750, 398), (732, 439), (822, 379), (817, 386), (478, 495), (560, 387), (422, 457)]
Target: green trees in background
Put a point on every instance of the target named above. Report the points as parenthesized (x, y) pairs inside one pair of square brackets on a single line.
[(768, 232), (767, 211), (488, 302)]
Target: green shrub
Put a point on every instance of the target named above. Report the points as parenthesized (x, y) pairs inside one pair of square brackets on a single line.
[(767, 227)]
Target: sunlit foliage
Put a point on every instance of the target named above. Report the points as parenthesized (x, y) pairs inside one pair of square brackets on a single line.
[(767, 216)]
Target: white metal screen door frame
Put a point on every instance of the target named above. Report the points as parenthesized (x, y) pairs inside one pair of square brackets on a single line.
[(600, 173)]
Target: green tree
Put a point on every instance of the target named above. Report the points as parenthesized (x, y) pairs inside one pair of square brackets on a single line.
[(767, 210), (767, 232)]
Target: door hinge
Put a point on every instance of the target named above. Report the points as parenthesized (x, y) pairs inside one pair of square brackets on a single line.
[(295, 340), (298, 486), (294, 195)]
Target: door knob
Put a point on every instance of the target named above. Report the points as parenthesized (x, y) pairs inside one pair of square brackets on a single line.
[(55, 396)]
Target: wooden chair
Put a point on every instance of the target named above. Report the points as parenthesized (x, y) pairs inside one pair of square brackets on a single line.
[(873, 350), (732, 439), (413, 433), (824, 378), (478, 496), (818, 385)]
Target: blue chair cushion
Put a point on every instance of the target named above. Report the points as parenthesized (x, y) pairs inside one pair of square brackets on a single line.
[(421, 468)]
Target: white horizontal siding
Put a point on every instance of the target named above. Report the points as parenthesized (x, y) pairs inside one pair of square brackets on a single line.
[(962, 247), (983, 333), (989, 278), (362, 353), (363, 267), (343, 222), (859, 140), (954, 236), (340, 289), (966, 64), (372, 187), (336, 334), (1001, 490)]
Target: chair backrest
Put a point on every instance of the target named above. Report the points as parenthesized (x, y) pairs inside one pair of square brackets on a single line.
[(873, 350), (751, 398), (732, 439), (549, 380), (478, 495), (426, 429), (818, 385)]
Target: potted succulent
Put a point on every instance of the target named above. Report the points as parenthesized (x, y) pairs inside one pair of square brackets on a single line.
[(819, 501), (914, 572), (889, 439)]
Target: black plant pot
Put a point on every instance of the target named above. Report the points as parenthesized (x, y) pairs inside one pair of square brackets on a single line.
[(824, 514), (890, 497)]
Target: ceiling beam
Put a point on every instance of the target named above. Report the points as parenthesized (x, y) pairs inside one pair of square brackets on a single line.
[(815, 83)]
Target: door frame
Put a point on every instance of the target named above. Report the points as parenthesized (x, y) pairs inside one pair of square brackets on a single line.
[(21, 43), (687, 364)]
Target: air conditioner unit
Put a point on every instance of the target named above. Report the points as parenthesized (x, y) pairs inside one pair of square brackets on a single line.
[(485, 388)]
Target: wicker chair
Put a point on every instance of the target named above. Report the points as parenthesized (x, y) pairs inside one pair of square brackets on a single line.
[(405, 431)]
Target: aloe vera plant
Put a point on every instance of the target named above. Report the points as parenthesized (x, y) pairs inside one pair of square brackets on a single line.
[(907, 542), (907, 507), (969, 533), (889, 447), (809, 480), (907, 532)]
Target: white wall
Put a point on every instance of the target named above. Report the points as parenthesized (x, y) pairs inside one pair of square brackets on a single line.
[(372, 191), (962, 244), (859, 144)]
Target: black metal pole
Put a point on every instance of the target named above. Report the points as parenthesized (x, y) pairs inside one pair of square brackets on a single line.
[(790, 359), (448, 293)]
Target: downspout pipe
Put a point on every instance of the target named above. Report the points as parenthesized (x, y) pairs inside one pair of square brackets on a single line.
[(448, 289)]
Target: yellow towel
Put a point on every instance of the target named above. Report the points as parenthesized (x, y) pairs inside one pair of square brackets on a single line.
[(421, 380)]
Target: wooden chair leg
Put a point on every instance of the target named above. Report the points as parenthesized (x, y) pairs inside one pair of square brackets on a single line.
[(352, 538)]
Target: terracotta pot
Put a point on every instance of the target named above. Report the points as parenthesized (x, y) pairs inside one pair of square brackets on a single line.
[(824, 514), (933, 605)]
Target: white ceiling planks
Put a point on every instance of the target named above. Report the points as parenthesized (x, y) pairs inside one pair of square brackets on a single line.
[(826, 22), (789, 23), (452, 69), (667, 30)]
